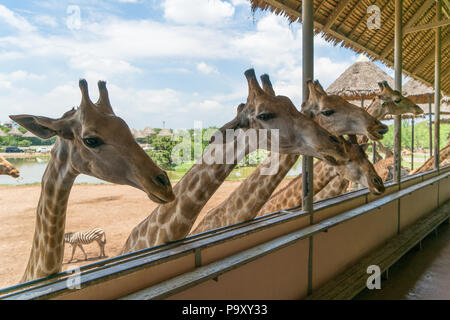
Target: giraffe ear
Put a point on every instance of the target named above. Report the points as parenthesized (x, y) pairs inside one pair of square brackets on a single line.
[(43, 127)]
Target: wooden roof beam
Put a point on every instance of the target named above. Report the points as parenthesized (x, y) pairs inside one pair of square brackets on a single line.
[(336, 13), (419, 13), (430, 56), (290, 11), (446, 8), (427, 26)]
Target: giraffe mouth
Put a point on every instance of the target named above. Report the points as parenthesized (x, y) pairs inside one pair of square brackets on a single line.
[(157, 199), (14, 174)]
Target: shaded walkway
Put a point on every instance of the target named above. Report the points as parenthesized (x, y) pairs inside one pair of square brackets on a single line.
[(420, 274)]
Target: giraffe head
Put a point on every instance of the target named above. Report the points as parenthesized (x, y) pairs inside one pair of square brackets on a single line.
[(359, 169), (390, 101), (298, 134), (339, 116), (8, 168), (98, 143)]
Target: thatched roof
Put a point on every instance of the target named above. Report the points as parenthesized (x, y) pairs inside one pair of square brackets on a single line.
[(444, 110), (361, 78), (148, 131), (344, 22), (138, 134), (15, 132), (165, 133), (418, 91), (2, 133), (29, 134)]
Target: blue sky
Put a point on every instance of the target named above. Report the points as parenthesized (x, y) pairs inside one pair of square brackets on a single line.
[(170, 60)]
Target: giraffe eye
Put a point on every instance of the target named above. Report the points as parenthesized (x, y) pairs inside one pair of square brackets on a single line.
[(265, 116), (327, 113), (92, 142), (398, 100)]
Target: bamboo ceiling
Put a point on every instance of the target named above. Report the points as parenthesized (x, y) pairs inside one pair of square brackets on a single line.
[(344, 22)]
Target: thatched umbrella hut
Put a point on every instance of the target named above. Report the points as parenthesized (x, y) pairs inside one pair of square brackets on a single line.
[(419, 93), (137, 134), (15, 132), (29, 134), (423, 95), (148, 131), (360, 81), (165, 133)]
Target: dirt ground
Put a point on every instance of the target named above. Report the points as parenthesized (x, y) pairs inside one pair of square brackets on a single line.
[(116, 209)]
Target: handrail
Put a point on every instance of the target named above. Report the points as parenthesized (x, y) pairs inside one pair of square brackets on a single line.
[(161, 254), (217, 268)]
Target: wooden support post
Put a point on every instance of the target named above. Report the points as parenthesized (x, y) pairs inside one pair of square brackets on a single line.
[(412, 143), (398, 87), (437, 85), (308, 73), (430, 126)]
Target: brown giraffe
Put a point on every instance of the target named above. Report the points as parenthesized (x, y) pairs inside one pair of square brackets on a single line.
[(90, 140), (444, 154), (340, 117), (359, 170), (7, 168), (387, 152), (390, 101), (246, 200), (387, 101), (297, 134)]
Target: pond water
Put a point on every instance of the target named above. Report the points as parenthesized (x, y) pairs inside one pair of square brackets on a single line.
[(32, 169)]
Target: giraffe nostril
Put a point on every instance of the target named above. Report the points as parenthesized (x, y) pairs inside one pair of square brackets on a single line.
[(378, 181), (383, 130), (163, 180)]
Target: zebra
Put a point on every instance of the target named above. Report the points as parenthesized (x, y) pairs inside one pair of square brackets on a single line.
[(76, 239)]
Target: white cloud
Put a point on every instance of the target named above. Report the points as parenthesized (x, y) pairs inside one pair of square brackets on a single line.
[(197, 11), (15, 20), (104, 66), (272, 44), (117, 50), (208, 105), (240, 2), (19, 75), (327, 70), (206, 69), (46, 20)]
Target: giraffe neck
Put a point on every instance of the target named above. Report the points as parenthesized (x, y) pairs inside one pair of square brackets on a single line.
[(291, 195), (174, 220), (335, 187), (48, 242), (429, 164), (246, 200)]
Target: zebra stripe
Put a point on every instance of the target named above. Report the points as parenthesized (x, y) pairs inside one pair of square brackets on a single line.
[(85, 237), (77, 239)]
